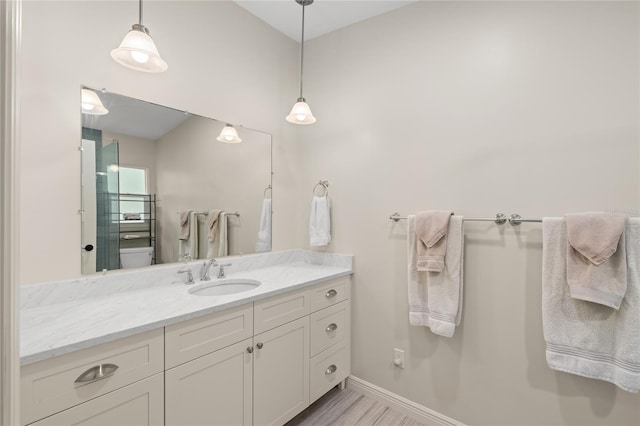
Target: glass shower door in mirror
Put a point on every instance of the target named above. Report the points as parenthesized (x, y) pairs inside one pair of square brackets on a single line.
[(100, 206)]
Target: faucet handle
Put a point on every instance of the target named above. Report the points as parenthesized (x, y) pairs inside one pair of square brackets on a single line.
[(221, 269), (189, 275)]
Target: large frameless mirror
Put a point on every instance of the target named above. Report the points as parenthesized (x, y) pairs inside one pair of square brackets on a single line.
[(161, 185)]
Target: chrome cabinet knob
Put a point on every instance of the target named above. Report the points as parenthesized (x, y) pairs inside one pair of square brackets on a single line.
[(331, 369), (331, 293), (259, 345), (250, 349), (331, 327)]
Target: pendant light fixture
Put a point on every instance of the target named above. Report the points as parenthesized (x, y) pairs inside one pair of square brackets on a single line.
[(91, 103), (301, 113), (229, 134), (138, 51)]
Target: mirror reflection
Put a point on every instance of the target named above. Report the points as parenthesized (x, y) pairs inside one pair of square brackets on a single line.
[(161, 185)]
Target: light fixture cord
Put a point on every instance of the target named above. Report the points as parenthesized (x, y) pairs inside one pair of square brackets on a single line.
[(140, 12), (301, 50)]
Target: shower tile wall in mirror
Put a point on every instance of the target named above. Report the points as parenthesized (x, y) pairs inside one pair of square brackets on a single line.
[(157, 186)]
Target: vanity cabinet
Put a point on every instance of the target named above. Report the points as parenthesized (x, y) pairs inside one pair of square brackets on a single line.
[(261, 363), (141, 403), (56, 384)]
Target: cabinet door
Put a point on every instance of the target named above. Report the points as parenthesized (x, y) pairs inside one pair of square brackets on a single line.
[(135, 405), (211, 390), (281, 373)]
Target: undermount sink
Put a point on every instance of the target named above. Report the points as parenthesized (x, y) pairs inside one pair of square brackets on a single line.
[(224, 287)]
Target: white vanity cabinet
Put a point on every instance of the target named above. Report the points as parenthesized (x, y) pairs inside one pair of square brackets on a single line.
[(86, 379), (209, 377), (261, 363), (281, 358)]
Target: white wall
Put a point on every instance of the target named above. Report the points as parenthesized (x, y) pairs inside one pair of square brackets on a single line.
[(67, 44), (478, 107)]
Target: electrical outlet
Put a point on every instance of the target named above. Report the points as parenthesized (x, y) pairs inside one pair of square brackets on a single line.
[(398, 357)]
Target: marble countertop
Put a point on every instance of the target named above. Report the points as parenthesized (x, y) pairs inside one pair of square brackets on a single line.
[(55, 329)]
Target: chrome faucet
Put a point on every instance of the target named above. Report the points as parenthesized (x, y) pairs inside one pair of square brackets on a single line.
[(206, 266)]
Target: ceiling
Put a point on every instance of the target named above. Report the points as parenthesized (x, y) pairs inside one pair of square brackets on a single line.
[(133, 117), (321, 17)]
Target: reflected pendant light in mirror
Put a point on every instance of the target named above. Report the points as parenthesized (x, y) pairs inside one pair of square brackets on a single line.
[(301, 113), (138, 51), (229, 135), (91, 103)]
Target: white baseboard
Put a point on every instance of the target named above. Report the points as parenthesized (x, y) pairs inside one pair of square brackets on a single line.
[(418, 412)]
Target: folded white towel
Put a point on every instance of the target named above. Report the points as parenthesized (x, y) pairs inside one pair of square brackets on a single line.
[(585, 338), (320, 222), (264, 232), (596, 257), (183, 234), (435, 298), (217, 234)]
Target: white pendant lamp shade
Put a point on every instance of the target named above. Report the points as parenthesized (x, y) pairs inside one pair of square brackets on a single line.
[(91, 103), (229, 135), (138, 51), (301, 113)]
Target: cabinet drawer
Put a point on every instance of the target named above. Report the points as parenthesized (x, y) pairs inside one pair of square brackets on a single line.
[(330, 293), (197, 337), (327, 369), (139, 404), (50, 386), (278, 310), (329, 326)]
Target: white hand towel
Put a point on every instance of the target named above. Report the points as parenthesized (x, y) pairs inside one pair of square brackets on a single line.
[(596, 257), (435, 298), (585, 338), (264, 233), (320, 222), (189, 247), (431, 239)]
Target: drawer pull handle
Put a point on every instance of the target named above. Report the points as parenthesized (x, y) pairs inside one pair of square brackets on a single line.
[(331, 327), (96, 373), (250, 349), (259, 345), (332, 369), (331, 293)]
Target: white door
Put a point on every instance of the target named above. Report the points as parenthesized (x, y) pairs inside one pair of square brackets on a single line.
[(89, 220), (281, 373), (215, 389)]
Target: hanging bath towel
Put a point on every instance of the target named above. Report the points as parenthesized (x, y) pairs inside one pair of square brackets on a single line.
[(320, 222), (264, 233)]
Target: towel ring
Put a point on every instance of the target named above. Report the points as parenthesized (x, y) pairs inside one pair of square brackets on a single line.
[(324, 184), (268, 188)]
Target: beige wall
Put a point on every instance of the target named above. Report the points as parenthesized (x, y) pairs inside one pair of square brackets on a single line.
[(474, 106), (479, 108), (229, 177), (66, 44)]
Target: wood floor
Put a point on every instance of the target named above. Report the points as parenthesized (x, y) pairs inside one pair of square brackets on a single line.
[(349, 408)]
